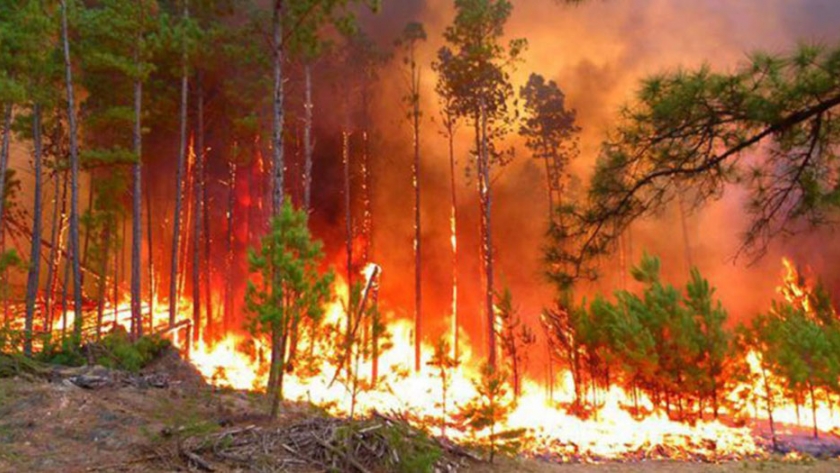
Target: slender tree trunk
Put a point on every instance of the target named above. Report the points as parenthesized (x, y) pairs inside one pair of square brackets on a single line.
[(274, 375), (684, 224), (89, 210), (150, 249), (35, 254), (453, 234), (137, 208), (308, 145), (348, 220), (4, 160), (814, 410), (68, 261), (103, 281), (198, 183), (769, 406), (55, 251), (418, 244), (228, 318), (202, 156), (179, 177), (277, 142), (74, 179), (485, 199)]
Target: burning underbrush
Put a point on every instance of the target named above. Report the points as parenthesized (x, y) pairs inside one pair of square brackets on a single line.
[(573, 418)]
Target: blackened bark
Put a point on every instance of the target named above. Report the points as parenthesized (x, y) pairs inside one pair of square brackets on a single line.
[(35, 253)]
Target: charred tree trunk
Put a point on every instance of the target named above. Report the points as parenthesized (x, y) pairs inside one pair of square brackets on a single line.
[(485, 201), (55, 251), (179, 192), (4, 160), (74, 178), (89, 210), (308, 144), (198, 182), (201, 196), (35, 254), (137, 217), (150, 250), (348, 220), (453, 233), (228, 317), (277, 142), (103, 281), (415, 169)]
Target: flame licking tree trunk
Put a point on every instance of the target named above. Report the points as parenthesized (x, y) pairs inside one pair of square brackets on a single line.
[(74, 179), (179, 177), (412, 34), (198, 204)]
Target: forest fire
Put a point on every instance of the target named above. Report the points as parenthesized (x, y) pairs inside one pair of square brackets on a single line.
[(237, 180)]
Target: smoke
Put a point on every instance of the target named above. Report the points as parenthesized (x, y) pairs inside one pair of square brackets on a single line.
[(598, 52)]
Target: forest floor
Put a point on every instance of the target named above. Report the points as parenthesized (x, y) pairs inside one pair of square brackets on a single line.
[(140, 423)]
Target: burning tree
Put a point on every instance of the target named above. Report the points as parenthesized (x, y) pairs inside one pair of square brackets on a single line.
[(491, 406), (799, 342), (290, 289), (515, 338), (413, 34), (475, 69), (443, 363)]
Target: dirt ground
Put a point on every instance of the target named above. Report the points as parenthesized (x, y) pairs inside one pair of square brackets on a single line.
[(59, 427)]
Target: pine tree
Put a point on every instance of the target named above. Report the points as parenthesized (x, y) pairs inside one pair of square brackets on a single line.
[(413, 34), (476, 70), (290, 289)]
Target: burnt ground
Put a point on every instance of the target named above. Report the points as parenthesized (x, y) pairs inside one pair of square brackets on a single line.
[(168, 421)]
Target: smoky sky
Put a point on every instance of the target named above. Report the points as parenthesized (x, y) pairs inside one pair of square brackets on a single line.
[(598, 52)]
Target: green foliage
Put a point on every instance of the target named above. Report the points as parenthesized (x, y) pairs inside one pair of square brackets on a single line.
[(549, 127), (474, 68), (492, 405), (289, 288), (515, 337), (799, 346), (687, 133), (115, 350), (416, 451), (669, 343)]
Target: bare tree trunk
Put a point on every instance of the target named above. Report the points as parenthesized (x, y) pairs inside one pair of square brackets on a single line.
[(814, 410), (74, 179), (55, 251), (4, 160), (137, 217), (228, 317), (179, 177), (150, 250), (198, 183), (487, 237), (418, 244), (208, 303), (308, 145), (103, 281), (89, 210), (453, 235), (277, 142), (35, 254), (348, 220)]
